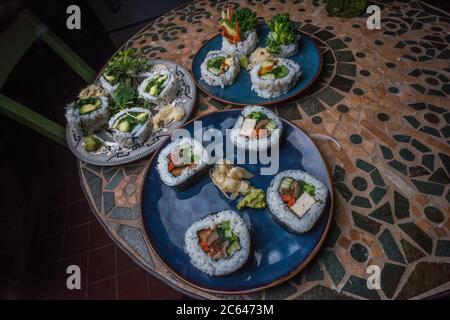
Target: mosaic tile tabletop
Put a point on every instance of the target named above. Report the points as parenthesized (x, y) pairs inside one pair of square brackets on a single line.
[(380, 114)]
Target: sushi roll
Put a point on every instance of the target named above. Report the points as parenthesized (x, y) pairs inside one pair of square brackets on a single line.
[(283, 36), (296, 200), (131, 126), (160, 87), (219, 68), (273, 78), (88, 115), (239, 36), (257, 128), (218, 244), (109, 83), (181, 162)]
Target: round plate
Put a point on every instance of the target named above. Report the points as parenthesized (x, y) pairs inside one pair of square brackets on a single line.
[(239, 93), (277, 254), (185, 99)]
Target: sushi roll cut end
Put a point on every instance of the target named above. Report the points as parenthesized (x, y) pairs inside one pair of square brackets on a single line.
[(218, 244), (275, 77), (296, 200), (180, 161), (160, 86), (257, 128), (219, 68), (131, 126)]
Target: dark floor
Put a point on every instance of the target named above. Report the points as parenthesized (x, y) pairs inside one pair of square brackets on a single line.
[(70, 234), (45, 221)]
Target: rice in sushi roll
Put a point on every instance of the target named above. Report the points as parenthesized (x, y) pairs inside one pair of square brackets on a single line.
[(273, 78), (218, 244), (131, 126), (88, 114), (181, 161), (160, 86), (219, 68), (257, 128), (296, 200), (241, 48), (287, 50)]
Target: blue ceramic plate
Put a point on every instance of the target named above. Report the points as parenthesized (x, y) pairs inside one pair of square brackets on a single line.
[(277, 253), (240, 93)]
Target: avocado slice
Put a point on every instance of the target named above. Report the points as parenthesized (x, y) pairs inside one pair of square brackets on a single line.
[(154, 90), (124, 126), (161, 78), (142, 117), (109, 78), (89, 107)]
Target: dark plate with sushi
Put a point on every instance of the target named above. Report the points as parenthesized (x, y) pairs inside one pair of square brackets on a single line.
[(308, 58), (273, 250), (115, 124)]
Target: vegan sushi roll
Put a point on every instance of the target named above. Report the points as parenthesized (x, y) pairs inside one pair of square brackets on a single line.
[(273, 78), (89, 113), (218, 244), (239, 36), (257, 128), (122, 68), (160, 86), (181, 161), (219, 68), (131, 126), (296, 200), (283, 37)]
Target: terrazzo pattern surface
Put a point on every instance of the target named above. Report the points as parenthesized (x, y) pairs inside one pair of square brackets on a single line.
[(380, 115)]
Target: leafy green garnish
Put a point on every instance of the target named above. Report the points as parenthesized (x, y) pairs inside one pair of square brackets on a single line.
[(246, 18), (126, 97), (283, 32), (280, 72), (215, 62), (126, 64)]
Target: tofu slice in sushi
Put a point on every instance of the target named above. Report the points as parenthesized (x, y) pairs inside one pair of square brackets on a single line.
[(218, 244), (88, 114), (257, 128), (219, 68), (161, 85), (131, 126), (273, 78), (296, 200), (182, 162)]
